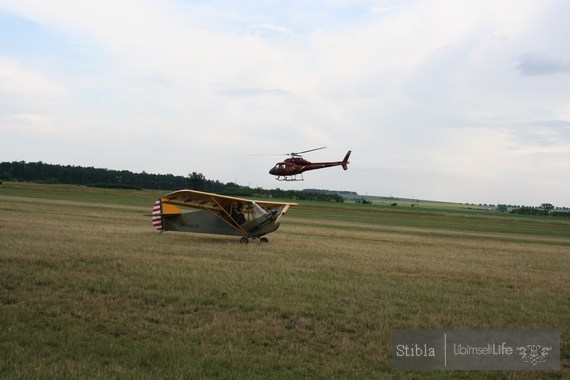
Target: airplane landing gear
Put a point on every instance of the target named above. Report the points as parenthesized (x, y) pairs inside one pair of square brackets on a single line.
[(245, 240)]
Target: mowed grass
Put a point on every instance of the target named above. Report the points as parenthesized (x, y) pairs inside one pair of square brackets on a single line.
[(89, 290)]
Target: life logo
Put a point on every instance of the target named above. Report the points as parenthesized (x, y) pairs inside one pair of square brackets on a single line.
[(534, 353)]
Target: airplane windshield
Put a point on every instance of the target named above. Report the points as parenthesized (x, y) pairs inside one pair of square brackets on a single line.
[(256, 210)]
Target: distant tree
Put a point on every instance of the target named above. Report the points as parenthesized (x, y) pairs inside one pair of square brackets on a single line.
[(232, 188), (5, 176), (197, 181), (546, 207), (527, 211)]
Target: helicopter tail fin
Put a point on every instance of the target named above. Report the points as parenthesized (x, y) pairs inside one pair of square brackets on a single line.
[(345, 160)]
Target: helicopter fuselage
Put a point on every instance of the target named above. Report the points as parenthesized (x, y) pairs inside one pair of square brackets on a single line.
[(297, 165)]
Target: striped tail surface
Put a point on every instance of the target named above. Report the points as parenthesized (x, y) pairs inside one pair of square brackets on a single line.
[(157, 216)]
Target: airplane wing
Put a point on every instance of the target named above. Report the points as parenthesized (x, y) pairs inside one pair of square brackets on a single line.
[(200, 200), (268, 206), (212, 201)]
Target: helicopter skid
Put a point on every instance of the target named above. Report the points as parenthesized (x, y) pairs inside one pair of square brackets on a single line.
[(290, 179)]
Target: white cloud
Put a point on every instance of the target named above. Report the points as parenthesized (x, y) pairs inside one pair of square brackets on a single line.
[(16, 80), (533, 63)]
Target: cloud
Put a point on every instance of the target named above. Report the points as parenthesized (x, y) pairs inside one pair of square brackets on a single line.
[(16, 79), (376, 9), (533, 63), (270, 28), (253, 91), (28, 99)]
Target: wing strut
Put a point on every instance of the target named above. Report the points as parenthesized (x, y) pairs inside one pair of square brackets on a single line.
[(235, 225)]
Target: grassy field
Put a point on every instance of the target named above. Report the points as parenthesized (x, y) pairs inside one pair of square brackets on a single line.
[(89, 290)]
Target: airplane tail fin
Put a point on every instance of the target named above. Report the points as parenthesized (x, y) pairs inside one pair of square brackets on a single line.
[(162, 210), (157, 216), (345, 160)]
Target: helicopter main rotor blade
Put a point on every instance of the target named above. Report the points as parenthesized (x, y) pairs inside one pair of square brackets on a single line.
[(293, 154), (307, 151)]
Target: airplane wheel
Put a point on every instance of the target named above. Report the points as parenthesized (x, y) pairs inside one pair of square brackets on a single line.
[(244, 240), (263, 240)]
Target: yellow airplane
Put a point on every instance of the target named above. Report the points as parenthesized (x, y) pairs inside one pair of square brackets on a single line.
[(209, 213)]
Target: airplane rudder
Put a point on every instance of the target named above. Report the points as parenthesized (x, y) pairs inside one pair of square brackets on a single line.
[(157, 222)]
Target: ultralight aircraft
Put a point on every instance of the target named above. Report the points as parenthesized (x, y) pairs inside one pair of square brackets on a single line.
[(210, 213)]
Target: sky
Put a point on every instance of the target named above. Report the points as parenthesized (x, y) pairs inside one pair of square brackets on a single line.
[(462, 101)]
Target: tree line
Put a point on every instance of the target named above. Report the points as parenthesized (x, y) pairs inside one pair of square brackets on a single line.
[(41, 172), (545, 209)]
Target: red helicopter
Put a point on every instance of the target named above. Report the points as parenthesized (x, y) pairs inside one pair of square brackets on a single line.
[(295, 165)]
